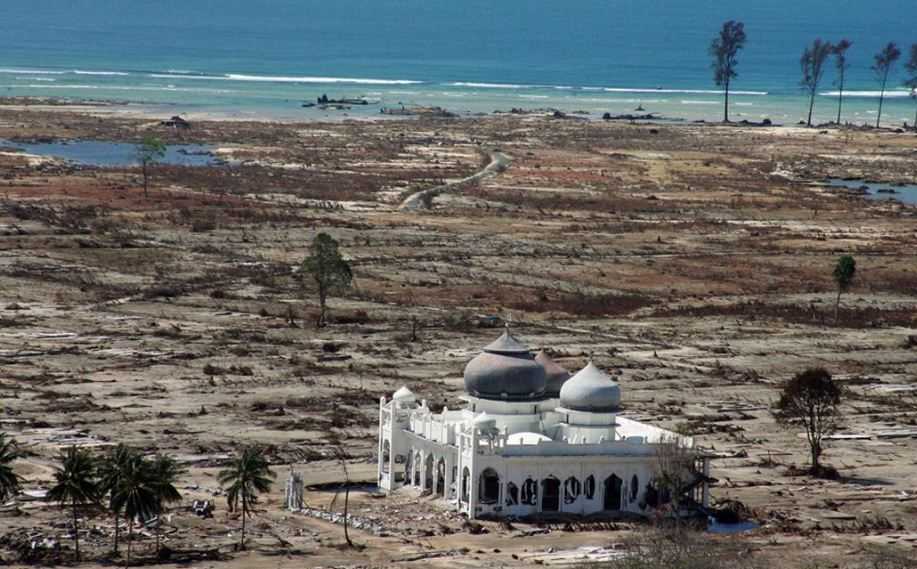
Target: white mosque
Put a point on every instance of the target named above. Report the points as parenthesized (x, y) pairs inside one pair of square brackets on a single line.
[(531, 440)]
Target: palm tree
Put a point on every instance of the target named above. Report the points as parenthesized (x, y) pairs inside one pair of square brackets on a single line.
[(111, 474), (9, 480), (135, 494), (75, 483), (883, 62), (840, 62), (247, 476), (164, 472)]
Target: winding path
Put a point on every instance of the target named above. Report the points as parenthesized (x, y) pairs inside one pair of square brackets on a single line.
[(421, 199)]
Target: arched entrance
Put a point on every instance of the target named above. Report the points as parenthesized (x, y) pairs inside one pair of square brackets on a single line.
[(612, 502), (418, 463), (530, 492), (489, 490), (386, 456), (408, 468), (428, 473), (550, 494), (441, 477)]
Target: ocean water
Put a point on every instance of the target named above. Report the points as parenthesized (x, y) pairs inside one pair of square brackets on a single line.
[(264, 57)]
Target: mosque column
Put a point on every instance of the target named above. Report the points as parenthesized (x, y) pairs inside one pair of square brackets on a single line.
[(705, 500), (380, 443)]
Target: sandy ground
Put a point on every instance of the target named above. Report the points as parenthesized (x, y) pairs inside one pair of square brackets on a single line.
[(692, 261)]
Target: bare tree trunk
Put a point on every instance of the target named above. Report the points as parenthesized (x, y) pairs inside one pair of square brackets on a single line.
[(915, 120), (881, 99), (244, 514), (130, 539), (346, 520), (840, 98), (322, 301), (117, 531), (76, 533), (811, 106), (146, 187), (726, 103), (837, 307)]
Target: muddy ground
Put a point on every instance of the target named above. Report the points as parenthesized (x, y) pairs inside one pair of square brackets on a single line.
[(692, 261)]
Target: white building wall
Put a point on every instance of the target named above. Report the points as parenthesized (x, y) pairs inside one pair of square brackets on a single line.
[(413, 433)]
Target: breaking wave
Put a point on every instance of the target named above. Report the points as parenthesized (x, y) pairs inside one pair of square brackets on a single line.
[(489, 85), (353, 80), (681, 91), (896, 93), (284, 79), (101, 73), (167, 89), (30, 71)]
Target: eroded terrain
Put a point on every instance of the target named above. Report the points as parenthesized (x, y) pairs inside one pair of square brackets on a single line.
[(692, 261)]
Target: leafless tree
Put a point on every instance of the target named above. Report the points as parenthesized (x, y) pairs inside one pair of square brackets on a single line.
[(341, 456), (674, 471)]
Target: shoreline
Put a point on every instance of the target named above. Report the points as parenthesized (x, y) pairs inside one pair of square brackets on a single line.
[(281, 104), (155, 111)]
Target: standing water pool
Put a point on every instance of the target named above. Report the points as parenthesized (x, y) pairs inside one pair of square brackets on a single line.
[(904, 193), (115, 154)]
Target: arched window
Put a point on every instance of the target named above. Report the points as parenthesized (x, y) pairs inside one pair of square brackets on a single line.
[(572, 489), (589, 487), (386, 456), (489, 489), (634, 488), (530, 492), (512, 494), (466, 480)]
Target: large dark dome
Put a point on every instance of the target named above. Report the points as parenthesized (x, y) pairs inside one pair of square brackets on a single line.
[(505, 370)]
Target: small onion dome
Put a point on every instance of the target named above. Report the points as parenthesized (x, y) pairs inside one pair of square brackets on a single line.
[(505, 370), (555, 374), (590, 390), (526, 439), (403, 394), (483, 422)]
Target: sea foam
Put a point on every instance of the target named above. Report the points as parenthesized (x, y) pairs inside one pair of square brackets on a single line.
[(285, 79), (31, 71), (895, 93), (101, 73), (682, 91)]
